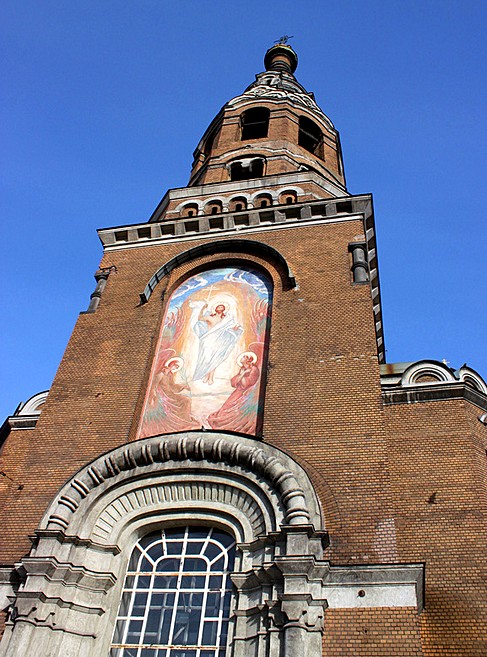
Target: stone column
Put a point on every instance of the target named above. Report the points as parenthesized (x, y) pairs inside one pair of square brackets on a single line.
[(360, 267)]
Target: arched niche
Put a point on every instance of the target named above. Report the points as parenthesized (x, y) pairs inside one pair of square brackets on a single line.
[(208, 370)]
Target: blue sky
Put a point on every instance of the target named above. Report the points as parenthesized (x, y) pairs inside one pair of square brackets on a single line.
[(104, 102)]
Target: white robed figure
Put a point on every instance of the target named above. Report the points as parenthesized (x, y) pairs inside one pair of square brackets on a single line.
[(217, 333)]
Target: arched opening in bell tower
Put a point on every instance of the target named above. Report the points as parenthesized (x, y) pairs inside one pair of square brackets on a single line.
[(255, 123), (310, 136)]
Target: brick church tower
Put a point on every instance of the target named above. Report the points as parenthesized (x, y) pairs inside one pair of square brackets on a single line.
[(224, 464)]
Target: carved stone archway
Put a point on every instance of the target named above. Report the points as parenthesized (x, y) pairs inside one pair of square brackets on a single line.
[(74, 573)]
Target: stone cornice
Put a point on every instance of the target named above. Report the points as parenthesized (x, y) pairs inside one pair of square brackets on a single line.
[(434, 392)]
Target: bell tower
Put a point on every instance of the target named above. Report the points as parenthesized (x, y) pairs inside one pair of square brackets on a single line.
[(225, 465), (274, 127)]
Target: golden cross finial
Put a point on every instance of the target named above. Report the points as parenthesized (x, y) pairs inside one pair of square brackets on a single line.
[(284, 39)]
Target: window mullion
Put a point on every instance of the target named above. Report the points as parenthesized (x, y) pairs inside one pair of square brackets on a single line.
[(223, 592)]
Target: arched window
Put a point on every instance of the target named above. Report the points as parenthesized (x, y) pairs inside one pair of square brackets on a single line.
[(310, 136), (247, 169), (176, 595), (189, 210), (237, 204), (288, 197), (208, 145), (255, 123), (263, 201), (214, 207)]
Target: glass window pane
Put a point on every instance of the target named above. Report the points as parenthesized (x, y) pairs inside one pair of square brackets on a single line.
[(226, 603), (231, 560), (223, 634), (155, 552), (124, 603), (193, 582), (225, 539), (160, 617), (145, 566), (175, 547), (148, 539), (143, 582), (194, 548), (209, 633), (159, 622), (165, 581), (219, 564), (188, 618), (140, 602), (118, 634), (130, 652), (133, 634), (198, 532), (134, 559), (175, 532), (168, 565), (194, 564), (213, 604), (212, 550)]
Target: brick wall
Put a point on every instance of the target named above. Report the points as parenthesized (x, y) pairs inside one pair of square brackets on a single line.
[(438, 482), (372, 633)]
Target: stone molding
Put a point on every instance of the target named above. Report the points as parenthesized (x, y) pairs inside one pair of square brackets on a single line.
[(25, 416), (431, 380), (280, 86), (195, 446), (229, 497), (246, 247), (434, 392)]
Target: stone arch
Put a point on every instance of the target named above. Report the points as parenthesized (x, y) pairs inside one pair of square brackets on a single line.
[(427, 371), (271, 195), (246, 247), (472, 378), (263, 200), (288, 196), (33, 406), (238, 203), (251, 515), (214, 206), (191, 209), (162, 453), (74, 574)]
